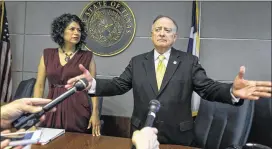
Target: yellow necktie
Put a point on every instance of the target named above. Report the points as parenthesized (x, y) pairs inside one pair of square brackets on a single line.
[(160, 71)]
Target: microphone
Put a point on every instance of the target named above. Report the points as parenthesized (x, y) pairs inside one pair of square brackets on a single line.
[(154, 107), (28, 120)]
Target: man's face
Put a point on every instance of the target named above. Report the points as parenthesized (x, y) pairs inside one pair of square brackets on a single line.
[(163, 33)]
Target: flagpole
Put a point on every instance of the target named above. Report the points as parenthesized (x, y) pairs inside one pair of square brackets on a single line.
[(200, 13), (2, 18), (196, 99)]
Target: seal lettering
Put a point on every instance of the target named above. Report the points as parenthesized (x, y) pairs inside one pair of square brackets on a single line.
[(111, 27)]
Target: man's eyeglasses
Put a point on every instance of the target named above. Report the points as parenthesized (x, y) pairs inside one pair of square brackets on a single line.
[(167, 30)]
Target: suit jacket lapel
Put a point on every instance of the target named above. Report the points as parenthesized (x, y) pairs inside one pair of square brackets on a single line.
[(150, 71), (172, 65)]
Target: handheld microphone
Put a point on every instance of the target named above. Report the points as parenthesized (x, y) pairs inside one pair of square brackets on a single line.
[(154, 107), (28, 120)]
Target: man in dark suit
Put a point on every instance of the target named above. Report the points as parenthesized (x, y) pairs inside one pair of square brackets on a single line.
[(171, 76)]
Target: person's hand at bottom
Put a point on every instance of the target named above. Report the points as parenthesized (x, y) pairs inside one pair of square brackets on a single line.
[(146, 138), (5, 143)]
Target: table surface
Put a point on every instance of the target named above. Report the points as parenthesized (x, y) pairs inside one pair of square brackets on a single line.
[(87, 141)]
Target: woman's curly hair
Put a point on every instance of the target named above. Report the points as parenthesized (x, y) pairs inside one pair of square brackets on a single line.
[(59, 25)]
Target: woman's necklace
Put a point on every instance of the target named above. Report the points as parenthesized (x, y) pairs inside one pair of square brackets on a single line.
[(67, 56)]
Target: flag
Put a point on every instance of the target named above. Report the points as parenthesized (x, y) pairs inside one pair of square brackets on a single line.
[(5, 57), (193, 48), (194, 41)]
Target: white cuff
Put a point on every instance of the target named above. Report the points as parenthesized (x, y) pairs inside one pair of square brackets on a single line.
[(92, 89), (234, 99)]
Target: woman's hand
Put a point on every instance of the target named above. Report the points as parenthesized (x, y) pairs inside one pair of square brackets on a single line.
[(95, 124)]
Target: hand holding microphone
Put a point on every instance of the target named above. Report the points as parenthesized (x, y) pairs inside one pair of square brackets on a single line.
[(146, 138), (13, 110), (28, 120)]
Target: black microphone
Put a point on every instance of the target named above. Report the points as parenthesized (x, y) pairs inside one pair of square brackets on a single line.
[(28, 120), (154, 107)]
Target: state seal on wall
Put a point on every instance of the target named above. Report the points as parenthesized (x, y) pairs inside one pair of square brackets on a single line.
[(111, 27)]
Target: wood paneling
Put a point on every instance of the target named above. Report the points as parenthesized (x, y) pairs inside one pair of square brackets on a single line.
[(116, 126)]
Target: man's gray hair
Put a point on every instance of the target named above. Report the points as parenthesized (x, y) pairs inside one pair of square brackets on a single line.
[(163, 16)]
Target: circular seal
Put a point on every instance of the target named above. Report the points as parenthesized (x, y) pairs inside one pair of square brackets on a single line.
[(110, 26)]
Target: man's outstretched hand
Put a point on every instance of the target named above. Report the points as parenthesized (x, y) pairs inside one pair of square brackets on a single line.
[(248, 89), (85, 74)]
